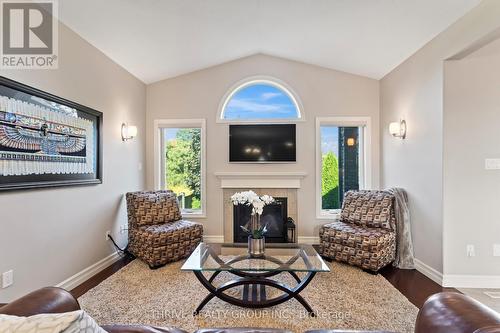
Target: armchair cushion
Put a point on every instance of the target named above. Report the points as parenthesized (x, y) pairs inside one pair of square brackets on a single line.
[(369, 248), (160, 244), (149, 208), (168, 233), (374, 209)]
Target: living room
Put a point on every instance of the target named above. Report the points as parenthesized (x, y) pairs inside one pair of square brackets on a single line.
[(248, 165)]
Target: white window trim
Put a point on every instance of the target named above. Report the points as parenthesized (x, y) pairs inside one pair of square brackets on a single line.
[(365, 177), (260, 79), (159, 166)]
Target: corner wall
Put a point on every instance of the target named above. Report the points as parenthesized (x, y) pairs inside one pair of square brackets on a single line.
[(48, 235), (471, 193), (414, 91)]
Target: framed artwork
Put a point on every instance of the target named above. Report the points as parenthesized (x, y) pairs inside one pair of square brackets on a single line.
[(46, 140)]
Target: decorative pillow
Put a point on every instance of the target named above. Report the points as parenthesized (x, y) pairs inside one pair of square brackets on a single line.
[(374, 209), (68, 322), (158, 207)]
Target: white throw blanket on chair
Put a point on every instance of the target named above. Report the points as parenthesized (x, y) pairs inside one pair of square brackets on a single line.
[(404, 245)]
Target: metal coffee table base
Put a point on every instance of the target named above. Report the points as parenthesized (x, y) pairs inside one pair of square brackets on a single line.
[(254, 286)]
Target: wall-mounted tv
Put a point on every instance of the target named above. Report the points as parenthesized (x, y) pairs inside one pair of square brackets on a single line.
[(262, 143)]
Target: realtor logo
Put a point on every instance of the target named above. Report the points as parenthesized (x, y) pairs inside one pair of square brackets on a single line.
[(29, 34)]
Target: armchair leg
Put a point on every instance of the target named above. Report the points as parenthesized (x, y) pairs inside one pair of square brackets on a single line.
[(370, 272), (156, 267)]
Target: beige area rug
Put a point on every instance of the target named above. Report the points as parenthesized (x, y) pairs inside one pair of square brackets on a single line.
[(345, 298)]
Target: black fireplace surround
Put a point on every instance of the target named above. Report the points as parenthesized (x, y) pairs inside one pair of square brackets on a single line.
[(274, 216)]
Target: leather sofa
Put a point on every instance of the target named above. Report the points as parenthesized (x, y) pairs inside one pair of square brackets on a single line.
[(442, 313)]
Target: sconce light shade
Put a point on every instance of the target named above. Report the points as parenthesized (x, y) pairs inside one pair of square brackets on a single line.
[(128, 132), (351, 142), (398, 129)]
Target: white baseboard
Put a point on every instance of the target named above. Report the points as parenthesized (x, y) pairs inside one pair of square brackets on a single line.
[(458, 281), (471, 281), (428, 271), (213, 238), (88, 272), (308, 239)]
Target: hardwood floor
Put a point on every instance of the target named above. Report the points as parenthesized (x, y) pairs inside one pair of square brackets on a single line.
[(411, 283), (414, 285), (101, 276)]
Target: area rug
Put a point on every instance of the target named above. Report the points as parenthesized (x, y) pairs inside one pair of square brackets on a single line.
[(345, 298)]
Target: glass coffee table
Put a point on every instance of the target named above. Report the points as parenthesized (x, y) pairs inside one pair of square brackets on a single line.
[(255, 274)]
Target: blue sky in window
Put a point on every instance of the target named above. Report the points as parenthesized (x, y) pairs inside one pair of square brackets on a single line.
[(330, 140), (260, 101), (171, 133)]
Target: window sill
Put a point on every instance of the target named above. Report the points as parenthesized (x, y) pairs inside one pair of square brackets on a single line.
[(332, 217), (193, 215)]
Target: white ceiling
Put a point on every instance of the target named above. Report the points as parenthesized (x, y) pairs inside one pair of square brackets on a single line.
[(159, 39)]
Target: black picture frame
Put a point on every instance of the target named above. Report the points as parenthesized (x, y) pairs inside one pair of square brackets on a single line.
[(32, 181)]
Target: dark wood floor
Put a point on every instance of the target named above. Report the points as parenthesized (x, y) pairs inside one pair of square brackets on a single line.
[(411, 283), (414, 285), (101, 276)]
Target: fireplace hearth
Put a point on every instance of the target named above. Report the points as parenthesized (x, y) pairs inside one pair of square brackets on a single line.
[(274, 216)]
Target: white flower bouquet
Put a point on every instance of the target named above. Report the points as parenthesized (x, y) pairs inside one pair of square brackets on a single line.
[(250, 198)]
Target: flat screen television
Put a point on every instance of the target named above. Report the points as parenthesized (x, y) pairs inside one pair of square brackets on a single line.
[(262, 143)]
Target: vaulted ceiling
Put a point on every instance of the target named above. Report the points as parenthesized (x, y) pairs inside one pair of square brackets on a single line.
[(159, 39)]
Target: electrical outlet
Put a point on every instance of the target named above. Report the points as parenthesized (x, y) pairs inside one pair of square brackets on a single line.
[(496, 250), (471, 251), (7, 279), (108, 233), (492, 164)]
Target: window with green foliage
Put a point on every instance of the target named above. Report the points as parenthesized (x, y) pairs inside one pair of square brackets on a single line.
[(183, 161), (340, 166)]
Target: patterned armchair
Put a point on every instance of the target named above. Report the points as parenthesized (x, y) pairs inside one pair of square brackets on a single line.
[(365, 236), (157, 233)]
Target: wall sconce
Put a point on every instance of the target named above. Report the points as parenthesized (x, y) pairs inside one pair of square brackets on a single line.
[(128, 132), (398, 129), (351, 142)]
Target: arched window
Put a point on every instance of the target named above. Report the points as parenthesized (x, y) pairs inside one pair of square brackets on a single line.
[(260, 100)]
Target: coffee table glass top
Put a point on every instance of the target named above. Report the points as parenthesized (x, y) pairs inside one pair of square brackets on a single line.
[(234, 257)]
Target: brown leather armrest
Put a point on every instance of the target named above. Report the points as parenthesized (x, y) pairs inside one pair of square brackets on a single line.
[(450, 312), (45, 300)]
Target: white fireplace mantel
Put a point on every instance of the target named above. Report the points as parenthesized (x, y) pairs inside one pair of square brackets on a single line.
[(260, 179)]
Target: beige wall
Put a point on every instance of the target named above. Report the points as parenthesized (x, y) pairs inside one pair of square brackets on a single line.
[(414, 91), (47, 235), (471, 134), (323, 92)]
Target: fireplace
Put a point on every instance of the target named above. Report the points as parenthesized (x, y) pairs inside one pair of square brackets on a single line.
[(274, 216)]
